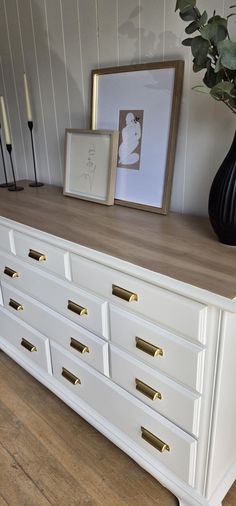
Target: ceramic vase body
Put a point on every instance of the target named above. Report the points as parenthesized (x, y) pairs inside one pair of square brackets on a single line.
[(222, 199)]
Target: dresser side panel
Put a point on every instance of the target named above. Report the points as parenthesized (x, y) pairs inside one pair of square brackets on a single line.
[(223, 437)]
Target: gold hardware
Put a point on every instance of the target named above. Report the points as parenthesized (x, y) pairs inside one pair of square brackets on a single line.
[(26, 344), (124, 294), (76, 308), (147, 390), (36, 255), (154, 440), (69, 376), (82, 348), (12, 274), (16, 305), (149, 348)]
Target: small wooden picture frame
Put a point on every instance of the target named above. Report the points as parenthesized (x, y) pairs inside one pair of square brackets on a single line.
[(90, 165)]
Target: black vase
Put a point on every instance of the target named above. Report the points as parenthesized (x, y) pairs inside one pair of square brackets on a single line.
[(222, 199)]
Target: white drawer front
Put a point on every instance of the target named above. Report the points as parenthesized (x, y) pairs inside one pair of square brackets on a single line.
[(40, 253), (56, 294), (173, 311), (128, 415), (5, 238), (34, 346), (80, 342), (168, 398), (180, 359)]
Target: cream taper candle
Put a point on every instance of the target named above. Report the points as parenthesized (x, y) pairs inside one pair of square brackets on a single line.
[(27, 100), (5, 122)]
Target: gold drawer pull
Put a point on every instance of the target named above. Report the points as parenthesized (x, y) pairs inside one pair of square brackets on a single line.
[(124, 294), (154, 440), (76, 308), (145, 389), (149, 348), (36, 255), (12, 274), (69, 376), (16, 305), (82, 348), (27, 345)]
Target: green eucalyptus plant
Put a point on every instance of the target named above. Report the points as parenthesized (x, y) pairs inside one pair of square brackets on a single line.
[(213, 50)]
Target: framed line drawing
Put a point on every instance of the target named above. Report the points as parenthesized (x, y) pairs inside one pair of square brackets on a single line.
[(90, 165), (142, 102)]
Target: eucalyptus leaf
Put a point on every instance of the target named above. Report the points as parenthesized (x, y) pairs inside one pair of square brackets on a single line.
[(210, 77), (201, 89), (218, 66), (227, 52), (192, 27), (218, 20), (203, 19), (222, 90), (200, 48), (187, 42), (189, 15), (186, 5), (197, 67), (214, 31)]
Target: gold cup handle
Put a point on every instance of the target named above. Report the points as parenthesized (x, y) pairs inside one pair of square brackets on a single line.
[(28, 346), (69, 376), (145, 389), (40, 257), (11, 273), (76, 345), (76, 308), (16, 305), (149, 348), (124, 294), (154, 440)]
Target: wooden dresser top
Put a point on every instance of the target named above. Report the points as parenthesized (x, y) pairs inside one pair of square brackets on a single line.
[(180, 246)]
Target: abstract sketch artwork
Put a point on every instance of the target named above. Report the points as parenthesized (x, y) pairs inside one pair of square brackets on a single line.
[(87, 173), (91, 165)]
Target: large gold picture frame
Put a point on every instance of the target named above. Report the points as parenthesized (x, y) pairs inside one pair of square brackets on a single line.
[(143, 102)]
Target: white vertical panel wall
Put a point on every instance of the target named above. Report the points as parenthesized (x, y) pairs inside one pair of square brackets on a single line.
[(58, 42)]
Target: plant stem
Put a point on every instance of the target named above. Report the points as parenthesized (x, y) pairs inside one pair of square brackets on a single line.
[(229, 106)]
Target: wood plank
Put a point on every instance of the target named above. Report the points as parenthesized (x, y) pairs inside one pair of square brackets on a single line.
[(10, 94), (31, 69), (129, 32), (180, 246), (39, 21), (56, 433), (16, 485), (74, 69)]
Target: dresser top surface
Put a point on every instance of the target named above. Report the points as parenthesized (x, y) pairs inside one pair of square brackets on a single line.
[(180, 246)]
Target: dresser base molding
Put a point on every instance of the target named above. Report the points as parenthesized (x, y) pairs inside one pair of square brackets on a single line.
[(186, 495)]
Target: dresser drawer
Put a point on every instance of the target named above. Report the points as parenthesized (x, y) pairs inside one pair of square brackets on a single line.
[(176, 357), (178, 404), (128, 415), (80, 342), (86, 310), (40, 253), (185, 316), (34, 346), (5, 238)]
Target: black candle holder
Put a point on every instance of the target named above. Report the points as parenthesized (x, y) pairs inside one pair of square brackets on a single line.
[(14, 187), (6, 184), (35, 184)]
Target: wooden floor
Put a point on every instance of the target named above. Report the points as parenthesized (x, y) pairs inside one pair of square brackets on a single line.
[(49, 455)]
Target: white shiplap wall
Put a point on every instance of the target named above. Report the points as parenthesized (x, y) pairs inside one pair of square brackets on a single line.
[(59, 42)]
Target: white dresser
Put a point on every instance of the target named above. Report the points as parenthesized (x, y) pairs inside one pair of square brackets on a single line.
[(146, 358)]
